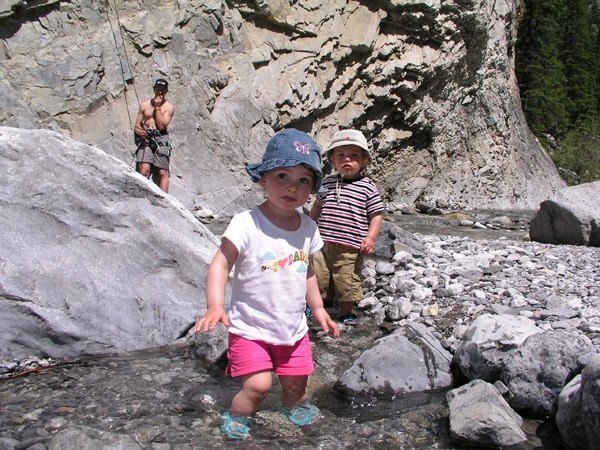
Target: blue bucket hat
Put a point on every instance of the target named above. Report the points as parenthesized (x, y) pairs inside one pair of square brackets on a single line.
[(289, 148)]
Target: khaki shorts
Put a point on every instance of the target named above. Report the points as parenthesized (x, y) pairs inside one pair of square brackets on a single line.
[(338, 272), (160, 157)]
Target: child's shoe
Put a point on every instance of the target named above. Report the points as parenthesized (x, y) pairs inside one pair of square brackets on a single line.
[(350, 320), (235, 427), (302, 414)]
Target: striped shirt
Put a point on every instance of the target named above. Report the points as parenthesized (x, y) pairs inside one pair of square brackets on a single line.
[(346, 209)]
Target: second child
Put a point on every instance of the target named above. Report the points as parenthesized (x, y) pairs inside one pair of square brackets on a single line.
[(349, 213)]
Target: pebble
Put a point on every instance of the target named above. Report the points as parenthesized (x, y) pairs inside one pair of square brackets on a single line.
[(556, 285)]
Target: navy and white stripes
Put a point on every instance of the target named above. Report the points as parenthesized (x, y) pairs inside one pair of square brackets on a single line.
[(346, 209)]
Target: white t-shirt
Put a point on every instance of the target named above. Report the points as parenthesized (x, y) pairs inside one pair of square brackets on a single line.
[(268, 295)]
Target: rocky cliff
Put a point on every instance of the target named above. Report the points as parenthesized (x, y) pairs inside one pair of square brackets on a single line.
[(431, 83)]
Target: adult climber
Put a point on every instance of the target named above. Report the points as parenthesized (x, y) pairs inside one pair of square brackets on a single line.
[(153, 152)]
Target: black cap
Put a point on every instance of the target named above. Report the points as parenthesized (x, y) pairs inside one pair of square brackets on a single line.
[(161, 84)]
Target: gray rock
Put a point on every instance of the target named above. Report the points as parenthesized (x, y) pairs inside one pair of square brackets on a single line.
[(578, 413), (86, 438), (95, 258), (480, 416), (211, 346), (410, 360), (539, 369), (571, 216), (489, 341)]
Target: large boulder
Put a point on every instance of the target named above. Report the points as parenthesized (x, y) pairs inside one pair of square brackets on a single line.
[(538, 370), (571, 216), (578, 414), (489, 341), (94, 258)]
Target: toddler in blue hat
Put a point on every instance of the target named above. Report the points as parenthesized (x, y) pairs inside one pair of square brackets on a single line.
[(268, 247)]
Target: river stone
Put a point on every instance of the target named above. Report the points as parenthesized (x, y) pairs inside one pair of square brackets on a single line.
[(489, 341), (410, 360), (87, 438), (578, 413), (538, 370), (479, 415)]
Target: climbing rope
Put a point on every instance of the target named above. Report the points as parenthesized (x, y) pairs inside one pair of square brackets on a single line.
[(121, 60)]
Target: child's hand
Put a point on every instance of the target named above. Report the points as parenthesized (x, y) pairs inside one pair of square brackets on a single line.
[(323, 319), (367, 246), (209, 321)]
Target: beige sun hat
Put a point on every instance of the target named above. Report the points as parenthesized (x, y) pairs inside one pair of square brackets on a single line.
[(349, 137)]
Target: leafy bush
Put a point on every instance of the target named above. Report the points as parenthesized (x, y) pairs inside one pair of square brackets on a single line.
[(577, 155)]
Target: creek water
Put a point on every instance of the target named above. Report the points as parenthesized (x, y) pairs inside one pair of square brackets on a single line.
[(169, 399)]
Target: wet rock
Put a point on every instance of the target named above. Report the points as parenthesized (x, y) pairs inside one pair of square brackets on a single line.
[(409, 360), (479, 415)]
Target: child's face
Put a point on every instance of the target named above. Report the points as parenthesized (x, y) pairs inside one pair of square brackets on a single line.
[(348, 160), (288, 187)]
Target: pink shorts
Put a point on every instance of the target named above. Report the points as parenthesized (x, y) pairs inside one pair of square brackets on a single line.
[(246, 356)]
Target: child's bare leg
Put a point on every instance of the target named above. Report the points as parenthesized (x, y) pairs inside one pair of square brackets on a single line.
[(255, 388), (293, 389), (346, 308)]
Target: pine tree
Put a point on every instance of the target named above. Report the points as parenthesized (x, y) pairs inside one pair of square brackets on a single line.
[(539, 69), (557, 54), (595, 20), (580, 65)]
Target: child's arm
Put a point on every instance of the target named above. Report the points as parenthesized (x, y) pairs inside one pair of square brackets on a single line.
[(315, 303), (368, 244), (315, 210), (216, 281)]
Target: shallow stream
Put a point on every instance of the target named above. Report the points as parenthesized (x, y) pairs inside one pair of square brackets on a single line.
[(170, 400)]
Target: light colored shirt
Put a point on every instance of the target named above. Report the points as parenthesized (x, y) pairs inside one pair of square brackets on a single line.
[(268, 295)]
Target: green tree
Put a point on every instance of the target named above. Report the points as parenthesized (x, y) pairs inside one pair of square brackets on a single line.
[(578, 155), (557, 54), (578, 56), (595, 20), (539, 68)]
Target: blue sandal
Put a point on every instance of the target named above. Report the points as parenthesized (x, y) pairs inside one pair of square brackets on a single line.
[(235, 427), (350, 320), (302, 415)]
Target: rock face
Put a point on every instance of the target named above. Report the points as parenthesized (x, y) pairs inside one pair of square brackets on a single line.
[(94, 258), (571, 216), (430, 83)]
